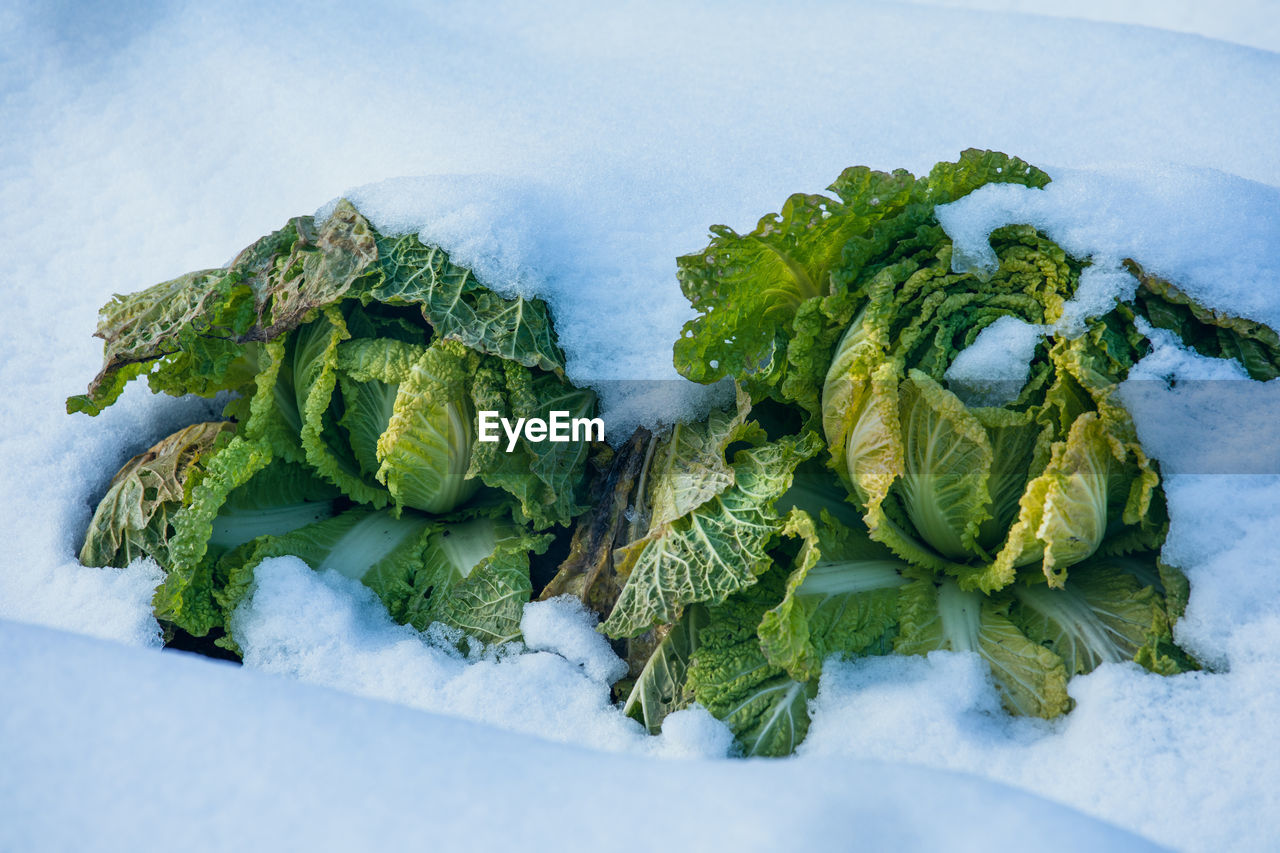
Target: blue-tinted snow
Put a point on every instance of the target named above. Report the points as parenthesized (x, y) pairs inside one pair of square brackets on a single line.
[(1216, 236), (140, 143), (116, 749)]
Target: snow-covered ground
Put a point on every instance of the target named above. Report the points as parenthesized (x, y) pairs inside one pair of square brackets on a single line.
[(172, 751), (575, 152)]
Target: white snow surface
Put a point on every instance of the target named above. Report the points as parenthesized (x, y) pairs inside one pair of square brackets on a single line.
[(328, 629), (572, 152), (992, 370), (1248, 22), (1202, 416), (1216, 236), (143, 751)]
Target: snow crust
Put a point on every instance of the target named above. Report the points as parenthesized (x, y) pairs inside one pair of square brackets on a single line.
[(138, 146), (1164, 756)]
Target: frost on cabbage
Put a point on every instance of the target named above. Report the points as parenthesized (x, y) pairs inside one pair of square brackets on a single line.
[(355, 364), (853, 502)]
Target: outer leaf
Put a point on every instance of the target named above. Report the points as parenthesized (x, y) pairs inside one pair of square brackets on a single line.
[(755, 282), (715, 550), (361, 543), (939, 615), (1177, 589), (279, 498), (474, 575), (323, 268), (975, 168), (1104, 615), (660, 687), (588, 571), (546, 477), (1211, 332), (144, 327), (275, 416), (459, 308), (200, 333), (186, 596), (690, 466), (242, 497), (842, 597), (749, 288), (196, 329), (468, 573), (132, 519), (767, 710)]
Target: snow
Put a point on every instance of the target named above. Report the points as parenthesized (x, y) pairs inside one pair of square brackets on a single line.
[(1217, 236), (565, 626), (326, 629), (1248, 22), (572, 152), (992, 370), (121, 749), (1096, 293), (1201, 415), (1168, 757)]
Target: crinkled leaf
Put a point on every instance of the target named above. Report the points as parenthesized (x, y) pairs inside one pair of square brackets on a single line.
[(186, 597), (1210, 332), (133, 518), (713, 551), (767, 710), (749, 288), (315, 379), (690, 466), (459, 308), (1063, 514), (194, 330), (325, 263), (143, 327), (240, 501), (201, 333), (470, 572), (544, 477), (947, 461), (370, 371), (425, 452), (474, 575), (360, 543), (279, 498)]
